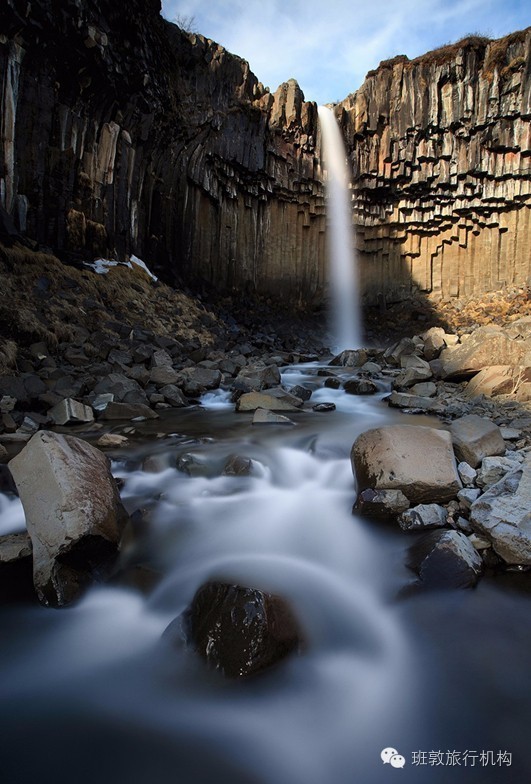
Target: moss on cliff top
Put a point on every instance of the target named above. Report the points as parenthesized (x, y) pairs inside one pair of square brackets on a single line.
[(492, 53)]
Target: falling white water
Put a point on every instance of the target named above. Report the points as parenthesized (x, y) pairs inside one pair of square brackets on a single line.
[(344, 304)]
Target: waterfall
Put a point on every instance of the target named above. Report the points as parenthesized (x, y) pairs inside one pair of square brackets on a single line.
[(344, 296)]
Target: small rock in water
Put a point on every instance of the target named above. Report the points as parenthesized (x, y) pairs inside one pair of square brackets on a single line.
[(301, 392), (240, 631), (262, 416), (332, 382), (360, 386), (111, 440), (238, 466), (324, 407), (70, 412), (350, 358)]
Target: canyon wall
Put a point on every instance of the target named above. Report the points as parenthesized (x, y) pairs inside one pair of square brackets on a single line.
[(440, 150), (122, 134)]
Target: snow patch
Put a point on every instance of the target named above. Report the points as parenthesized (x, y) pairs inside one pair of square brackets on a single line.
[(102, 266)]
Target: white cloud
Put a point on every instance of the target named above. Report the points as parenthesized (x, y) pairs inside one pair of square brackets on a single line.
[(329, 45)]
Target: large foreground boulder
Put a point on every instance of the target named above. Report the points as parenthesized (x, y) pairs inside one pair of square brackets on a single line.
[(502, 515), (238, 630), (73, 513), (419, 461)]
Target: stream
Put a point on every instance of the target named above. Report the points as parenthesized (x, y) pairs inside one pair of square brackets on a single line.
[(95, 694)]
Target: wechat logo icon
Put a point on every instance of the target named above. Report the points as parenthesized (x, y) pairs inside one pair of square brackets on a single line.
[(392, 757)]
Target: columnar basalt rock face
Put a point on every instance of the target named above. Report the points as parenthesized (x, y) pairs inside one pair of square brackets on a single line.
[(122, 134), (440, 149)]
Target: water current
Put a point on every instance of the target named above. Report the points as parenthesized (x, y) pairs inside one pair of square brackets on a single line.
[(95, 694)]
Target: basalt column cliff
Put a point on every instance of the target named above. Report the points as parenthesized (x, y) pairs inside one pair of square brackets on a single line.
[(122, 134), (440, 148)]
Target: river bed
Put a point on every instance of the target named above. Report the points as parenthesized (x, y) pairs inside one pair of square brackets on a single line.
[(96, 693)]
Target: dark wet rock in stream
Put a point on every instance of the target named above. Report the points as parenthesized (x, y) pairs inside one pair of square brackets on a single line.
[(360, 386), (236, 465), (445, 559), (240, 631), (73, 514), (324, 407)]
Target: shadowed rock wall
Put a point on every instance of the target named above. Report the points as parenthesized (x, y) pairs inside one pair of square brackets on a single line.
[(440, 150), (121, 134)]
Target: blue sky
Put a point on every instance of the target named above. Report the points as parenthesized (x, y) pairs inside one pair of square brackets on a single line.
[(329, 45)]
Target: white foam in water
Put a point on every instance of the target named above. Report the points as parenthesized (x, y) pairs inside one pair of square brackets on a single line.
[(218, 399), (344, 303), (12, 518)]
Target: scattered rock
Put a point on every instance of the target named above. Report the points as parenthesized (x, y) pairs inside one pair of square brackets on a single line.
[(423, 516), (73, 513), (434, 342), (417, 460), (332, 382), (128, 411), (71, 412), (163, 375), (196, 381), (262, 416), (256, 377), (403, 400), (173, 395), (381, 504), (495, 468), (350, 358), (475, 438), (323, 407), (240, 631), (360, 386), (486, 346), (467, 496), (445, 559), (111, 440), (250, 401), (404, 347), (502, 515), (498, 380), (424, 389), (303, 393), (467, 474)]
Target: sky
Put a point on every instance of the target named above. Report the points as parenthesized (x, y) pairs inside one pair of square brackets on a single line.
[(329, 45)]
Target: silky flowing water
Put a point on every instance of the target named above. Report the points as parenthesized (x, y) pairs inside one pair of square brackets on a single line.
[(96, 693)]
